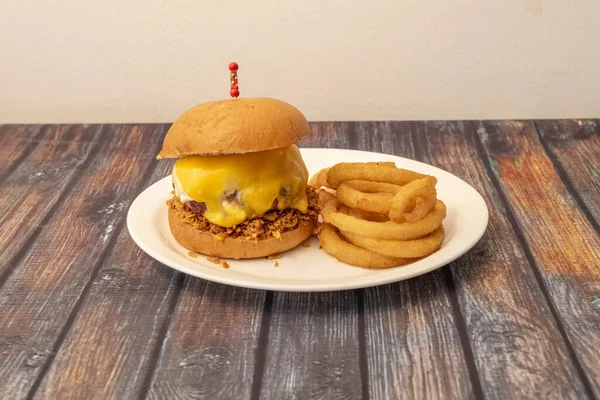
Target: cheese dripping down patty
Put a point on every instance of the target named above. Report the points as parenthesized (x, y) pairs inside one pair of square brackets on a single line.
[(237, 187)]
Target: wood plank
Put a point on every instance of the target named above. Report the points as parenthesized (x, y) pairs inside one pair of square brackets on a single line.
[(562, 243), (314, 337), (395, 313), (16, 142), (315, 359), (110, 354), (36, 184), (313, 347), (209, 349), (413, 342), (515, 340), (217, 355), (330, 135), (574, 149), (42, 295)]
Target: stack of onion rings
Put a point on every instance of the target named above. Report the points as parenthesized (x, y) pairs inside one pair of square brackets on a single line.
[(376, 215)]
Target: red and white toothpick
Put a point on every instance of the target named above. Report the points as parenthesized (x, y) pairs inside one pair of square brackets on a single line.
[(233, 78)]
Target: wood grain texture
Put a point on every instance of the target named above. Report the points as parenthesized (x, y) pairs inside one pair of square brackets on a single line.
[(36, 184), (563, 244), (209, 349), (516, 343), (108, 351), (313, 350), (330, 135), (16, 142), (39, 298), (413, 347), (314, 336), (574, 148), (85, 314)]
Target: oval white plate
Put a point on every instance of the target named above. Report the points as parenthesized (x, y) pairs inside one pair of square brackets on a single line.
[(307, 269)]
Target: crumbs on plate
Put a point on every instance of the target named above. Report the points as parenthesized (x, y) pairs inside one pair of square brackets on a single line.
[(217, 260), (276, 264), (192, 254), (305, 244)]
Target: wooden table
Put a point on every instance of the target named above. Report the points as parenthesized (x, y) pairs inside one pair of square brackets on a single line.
[(86, 314)]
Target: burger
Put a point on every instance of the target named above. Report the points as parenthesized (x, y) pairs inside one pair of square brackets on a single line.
[(240, 185)]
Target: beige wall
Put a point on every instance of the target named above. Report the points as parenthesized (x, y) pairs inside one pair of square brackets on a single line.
[(149, 60)]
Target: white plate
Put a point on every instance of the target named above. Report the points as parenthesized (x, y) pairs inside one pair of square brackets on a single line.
[(307, 269)]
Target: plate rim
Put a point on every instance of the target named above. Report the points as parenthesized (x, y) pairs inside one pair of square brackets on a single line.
[(316, 286)]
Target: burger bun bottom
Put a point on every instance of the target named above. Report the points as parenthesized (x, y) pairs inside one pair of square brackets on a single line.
[(206, 243)]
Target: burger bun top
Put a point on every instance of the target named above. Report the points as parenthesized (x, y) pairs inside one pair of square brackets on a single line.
[(234, 126)]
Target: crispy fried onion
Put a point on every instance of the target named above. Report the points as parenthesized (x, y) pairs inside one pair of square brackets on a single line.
[(373, 187), (366, 215), (422, 189), (384, 230), (377, 215), (374, 202), (400, 248), (319, 179), (347, 252), (363, 171)]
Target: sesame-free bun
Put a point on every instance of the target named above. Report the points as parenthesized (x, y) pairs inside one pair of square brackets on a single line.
[(206, 243), (234, 126)]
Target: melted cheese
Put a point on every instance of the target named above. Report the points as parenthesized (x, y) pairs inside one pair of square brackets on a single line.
[(255, 179)]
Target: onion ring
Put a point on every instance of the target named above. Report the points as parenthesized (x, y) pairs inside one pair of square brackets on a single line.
[(324, 196), (373, 187), (400, 248), (423, 187), (369, 172), (421, 208), (331, 206), (319, 179), (354, 255), (374, 202), (367, 215), (384, 230)]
